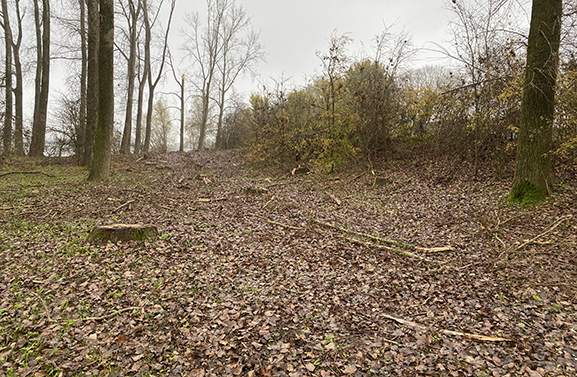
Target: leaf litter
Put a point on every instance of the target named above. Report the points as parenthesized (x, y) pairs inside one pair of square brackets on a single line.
[(264, 273)]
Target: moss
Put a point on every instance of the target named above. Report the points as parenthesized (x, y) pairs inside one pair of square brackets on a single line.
[(527, 194)]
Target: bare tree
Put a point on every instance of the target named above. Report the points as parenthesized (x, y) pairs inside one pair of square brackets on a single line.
[(81, 143), (42, 78), (93, 41), (161, 127), (152, 83), (204, 45), (18, 89), (132, 14), (7, 132), (181, 83), (487, 43), (240, 50)]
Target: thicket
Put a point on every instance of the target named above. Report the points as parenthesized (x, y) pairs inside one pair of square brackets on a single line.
[(365, 107)]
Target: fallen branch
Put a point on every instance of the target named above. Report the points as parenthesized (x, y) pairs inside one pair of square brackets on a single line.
[(267, 203), (366, 235), (420, 327), (549, 230), (123, 205), (111, 314), (392, 249), (334, 198), (279, 224), (27, 172), (206, 200), (434, 249)]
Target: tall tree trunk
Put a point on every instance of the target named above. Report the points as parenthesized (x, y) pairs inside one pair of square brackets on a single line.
[(81, 142), (39, 126), (152, 83), (18, 96), (127, 134), (103, 140), (532, 181), (139, 111), (147, 77), (7, 137), (181, 148), (92, 80)]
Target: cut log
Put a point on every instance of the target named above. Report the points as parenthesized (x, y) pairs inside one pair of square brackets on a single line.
[(123, 232)]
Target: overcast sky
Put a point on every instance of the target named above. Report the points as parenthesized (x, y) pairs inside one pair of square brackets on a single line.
[(292, 31)]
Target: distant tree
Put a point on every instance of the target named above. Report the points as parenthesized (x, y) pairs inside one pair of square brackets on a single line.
[(204, 45), (103, 139), (240, 50), (533, 181), (334, 63), (181, 97), (42, 80), (131, 14), (153, 82), (161, 127), (486, 45)]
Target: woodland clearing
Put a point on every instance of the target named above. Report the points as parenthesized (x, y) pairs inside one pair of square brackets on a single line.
[(264, 273)]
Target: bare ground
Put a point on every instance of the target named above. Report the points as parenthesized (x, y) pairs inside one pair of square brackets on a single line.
[(261, 273)]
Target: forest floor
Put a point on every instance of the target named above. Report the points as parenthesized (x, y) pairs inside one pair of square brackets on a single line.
[(264, 273)]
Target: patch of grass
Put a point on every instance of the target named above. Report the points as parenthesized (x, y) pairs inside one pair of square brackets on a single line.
[(527, 194)]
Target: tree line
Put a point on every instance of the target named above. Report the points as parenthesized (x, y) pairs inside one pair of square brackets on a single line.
[(508, 93)]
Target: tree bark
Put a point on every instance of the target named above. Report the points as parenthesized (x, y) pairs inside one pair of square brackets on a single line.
[(92, 80), (127, 134), (39, 126), (18, 96), (148, 76), (81, 141), (152, 84), (7, 132), (532, 181), (181, 148), (103, 139)]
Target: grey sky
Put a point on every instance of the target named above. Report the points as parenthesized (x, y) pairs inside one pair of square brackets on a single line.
[(293, 30)]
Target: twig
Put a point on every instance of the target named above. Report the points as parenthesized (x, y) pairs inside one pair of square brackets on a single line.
[(111, 314), (365, 235), (334, 198), (392, 249), (555, 225), (206, 200), (27, 172), (123, 205), (267, 203), (420, 327), (279, 224)]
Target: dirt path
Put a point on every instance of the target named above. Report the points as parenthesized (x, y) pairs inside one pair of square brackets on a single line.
[(268, 274)]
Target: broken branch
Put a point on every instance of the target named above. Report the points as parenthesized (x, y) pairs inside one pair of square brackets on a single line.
[(420, 327), (334, 198)]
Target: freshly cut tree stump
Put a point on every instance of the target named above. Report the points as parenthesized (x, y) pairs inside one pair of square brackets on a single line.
[(123, 232)]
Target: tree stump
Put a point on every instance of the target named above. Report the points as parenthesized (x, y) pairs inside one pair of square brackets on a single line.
[(123, 232)]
